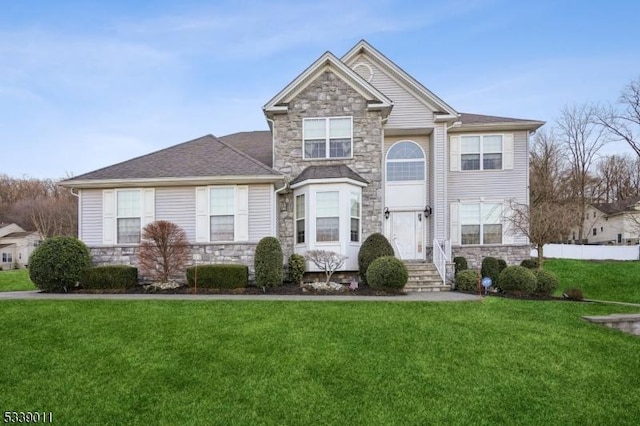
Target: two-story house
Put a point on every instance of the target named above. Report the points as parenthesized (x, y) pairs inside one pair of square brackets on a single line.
[(355, 146), (616, 223)]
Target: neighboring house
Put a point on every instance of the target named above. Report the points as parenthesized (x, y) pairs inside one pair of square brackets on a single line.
[(611, 223), (16, 245), (355, 146)]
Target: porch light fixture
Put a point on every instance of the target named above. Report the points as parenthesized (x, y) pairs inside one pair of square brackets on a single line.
[(386, 212), (427, 211)]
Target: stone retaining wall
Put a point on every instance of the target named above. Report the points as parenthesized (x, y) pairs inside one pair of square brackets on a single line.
[(512, 254)]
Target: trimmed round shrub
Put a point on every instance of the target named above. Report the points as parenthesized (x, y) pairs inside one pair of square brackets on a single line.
[(517, 280), (297, 268), (375, 246), (460, 263), (491, 268), (546, 282), (58, 263), (268, 263), (501, 265), (530, 263), (218, 276), (387, 272), (467, 280), (110, 277)]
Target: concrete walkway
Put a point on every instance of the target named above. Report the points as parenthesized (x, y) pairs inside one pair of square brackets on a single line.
[(440, 296)]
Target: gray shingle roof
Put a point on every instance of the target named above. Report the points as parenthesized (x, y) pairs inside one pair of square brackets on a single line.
[(18, 234), (202, 157), (257, 144), (618, 206), (467, 118), (332, 171)]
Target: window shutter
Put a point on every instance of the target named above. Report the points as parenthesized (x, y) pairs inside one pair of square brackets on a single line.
[(454, 223), (242, 213), (507, 230), (202, 214), (454, 153), (148, 206), (507, 151), (108, 216)]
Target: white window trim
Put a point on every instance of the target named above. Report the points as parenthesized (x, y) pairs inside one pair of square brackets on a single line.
[(358, 195), (110, 213), (240, 213), (327, 138), (405, 160), (456, 223), (297, 218), (455, 152)]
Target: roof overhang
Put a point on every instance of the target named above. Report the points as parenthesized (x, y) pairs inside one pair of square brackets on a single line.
[(376, 100), (169, 181), (489, 127), (391, 131)]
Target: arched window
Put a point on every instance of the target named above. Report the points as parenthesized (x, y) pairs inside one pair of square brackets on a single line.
[(405, 162)]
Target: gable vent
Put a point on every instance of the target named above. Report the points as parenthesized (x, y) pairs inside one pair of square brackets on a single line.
[(364, 71)]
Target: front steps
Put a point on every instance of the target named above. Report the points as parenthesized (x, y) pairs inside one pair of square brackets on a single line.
[(424, 276)]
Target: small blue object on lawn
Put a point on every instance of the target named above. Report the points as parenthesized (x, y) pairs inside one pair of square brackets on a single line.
[(486, 283)]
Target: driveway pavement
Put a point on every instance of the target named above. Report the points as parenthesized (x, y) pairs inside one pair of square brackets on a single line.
[(438, 296)]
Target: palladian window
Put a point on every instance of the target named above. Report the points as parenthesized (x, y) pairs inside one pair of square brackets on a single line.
[(405, 162)]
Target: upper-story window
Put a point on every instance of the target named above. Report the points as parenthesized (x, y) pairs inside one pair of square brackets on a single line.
[(327, 137), (483, 152), (405, 162)]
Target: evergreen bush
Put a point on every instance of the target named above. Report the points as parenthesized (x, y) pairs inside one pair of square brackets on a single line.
[(58, 264), (109, 277), (218, 276), (467, 280), (375, 246), (268, 262), (530, 263), (460, 264), (297, 268), (546, 282), (517, 280), (387, 272), (491, 268)]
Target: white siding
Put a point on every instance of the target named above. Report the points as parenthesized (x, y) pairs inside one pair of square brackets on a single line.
[(440, 183), (90, 231), (407, 110), (178, 205), (259, 212)]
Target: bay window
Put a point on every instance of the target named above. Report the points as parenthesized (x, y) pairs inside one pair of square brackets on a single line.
[(355, 218), (300, 218), (327, 137), (328, 216)]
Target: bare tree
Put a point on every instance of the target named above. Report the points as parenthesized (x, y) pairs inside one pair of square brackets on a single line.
[(615, 174), (163, 250), (328, 261), (582, 138), (623, 123)]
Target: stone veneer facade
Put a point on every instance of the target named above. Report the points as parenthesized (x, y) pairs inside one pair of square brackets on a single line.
[(329, 96), (200, 253), (512, 254)]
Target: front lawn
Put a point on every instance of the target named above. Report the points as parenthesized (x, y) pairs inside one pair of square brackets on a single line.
[(497, 361), (15, 280), (601, 280)]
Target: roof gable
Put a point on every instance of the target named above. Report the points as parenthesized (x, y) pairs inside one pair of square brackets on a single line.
[(400, 76), (204, 157), (628, 205), (375, 98)]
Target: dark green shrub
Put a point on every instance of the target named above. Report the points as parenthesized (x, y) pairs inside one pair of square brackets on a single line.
[(491, 268), (530, 263), (58, 263), (574, 294), (218, 276), (110, 277), (467, 280), (517, 280), (297, 268), (268, 262), (546, 282), (387, 272), (501, 265), (375, 246), (461, 263)]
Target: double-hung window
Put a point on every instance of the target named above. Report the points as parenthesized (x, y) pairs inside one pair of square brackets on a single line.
[(300, 218), (355, 217), (327, 137), (480, 223), (221, 218), (7, 258), (328, 216), (481, 152), (128, 220)]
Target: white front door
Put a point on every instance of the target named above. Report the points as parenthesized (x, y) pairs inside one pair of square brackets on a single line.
[(406, 234)]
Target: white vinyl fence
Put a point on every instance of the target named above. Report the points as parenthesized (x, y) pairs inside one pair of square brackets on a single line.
[(571, 251)]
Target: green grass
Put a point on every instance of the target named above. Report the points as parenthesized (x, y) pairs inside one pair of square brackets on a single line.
[(601, 280), (493, 362), (15, 280)]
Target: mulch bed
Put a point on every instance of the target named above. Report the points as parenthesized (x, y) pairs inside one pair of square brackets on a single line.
[(285, 289)]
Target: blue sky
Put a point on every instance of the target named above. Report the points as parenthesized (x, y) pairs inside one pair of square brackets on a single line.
[(87, 84)]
